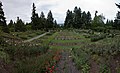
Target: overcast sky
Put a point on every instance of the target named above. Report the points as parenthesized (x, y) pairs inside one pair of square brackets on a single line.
[(22, 8)]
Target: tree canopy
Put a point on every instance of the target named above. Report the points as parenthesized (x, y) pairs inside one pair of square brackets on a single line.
[(3, 24)]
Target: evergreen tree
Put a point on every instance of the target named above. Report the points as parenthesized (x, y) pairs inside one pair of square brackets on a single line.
[(109, 24), (69, 19), (88, 20), (55, 24), (84, 19), (117, 20), (19, 25), (3, 24), (77, 18), (34, 18), (98, 20), (50, 20), (11, 26), (42, 21)]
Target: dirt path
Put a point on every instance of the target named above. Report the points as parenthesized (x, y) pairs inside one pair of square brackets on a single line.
[(66, 65), (29, 40)]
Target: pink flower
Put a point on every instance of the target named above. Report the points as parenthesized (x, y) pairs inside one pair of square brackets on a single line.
[(53, 67), (49, 69)]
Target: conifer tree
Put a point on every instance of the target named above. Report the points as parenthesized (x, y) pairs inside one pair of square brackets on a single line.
[(34, 18), (84, 19), (55, 24), (88, 20), (117, 20), (50, 20), (77, 18), (19, 25), (69, 20), (42, 21), (3, 24), (11, 26)]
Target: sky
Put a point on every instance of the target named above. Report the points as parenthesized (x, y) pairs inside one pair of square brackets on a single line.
[(23, 8)]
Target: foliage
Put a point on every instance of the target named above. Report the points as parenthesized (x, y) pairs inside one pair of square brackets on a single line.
[(104, 69), (77, 19), (3, 23), (11, 26), (97, 37), (68, 20), (34, 18), (20, 26), (117, 19), (98, 20)]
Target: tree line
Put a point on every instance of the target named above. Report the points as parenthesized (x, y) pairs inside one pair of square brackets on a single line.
[(77, 19), (74, 19)]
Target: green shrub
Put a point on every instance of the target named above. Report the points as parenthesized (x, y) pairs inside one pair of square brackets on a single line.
[(95, 38), (104, 69), (2, 42), (4, 56)]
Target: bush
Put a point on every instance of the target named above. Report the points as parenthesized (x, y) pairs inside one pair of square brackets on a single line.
[(95, 38), (99, 29), (2, 42)]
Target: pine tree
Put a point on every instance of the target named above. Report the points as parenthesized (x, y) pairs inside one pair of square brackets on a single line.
[(88, 20), (55, 24), (77, 18), (117, 20), (11, 26), (69, 20), (34, 18), (84, 19), (109, 23), (42, 21), (19, 25), (50, 20), (3, 24), (98, 20)]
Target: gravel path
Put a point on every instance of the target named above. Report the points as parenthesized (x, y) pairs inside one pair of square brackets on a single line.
[(29, 40), (66, 65)]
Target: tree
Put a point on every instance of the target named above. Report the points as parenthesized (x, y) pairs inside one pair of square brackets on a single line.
[(34, 18), (88, 20), (69, 19), (50, 20), (84, 19), (77, 18), (109, 24), (98, 20), (11, 26), (117, 20), (28, 26), (55, 24), (42, 21), (118, 5), (19, 25), (3, 24)]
